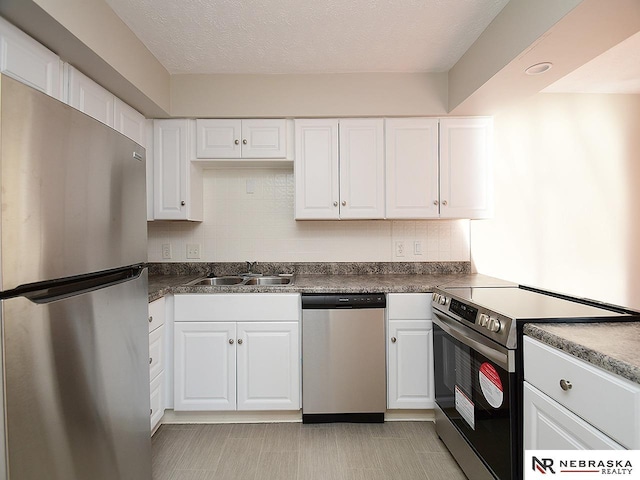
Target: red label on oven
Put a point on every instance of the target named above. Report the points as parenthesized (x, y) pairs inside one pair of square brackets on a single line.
[(491, 385)]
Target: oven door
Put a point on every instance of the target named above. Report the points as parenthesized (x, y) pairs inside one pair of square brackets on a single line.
[(475, 389)]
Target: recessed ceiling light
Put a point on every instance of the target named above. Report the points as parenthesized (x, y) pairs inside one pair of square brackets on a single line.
[(538, 68)]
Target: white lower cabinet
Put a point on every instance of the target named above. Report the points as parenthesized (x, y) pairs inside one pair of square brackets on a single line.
[(409, 351), (237, 365), (156, 360)]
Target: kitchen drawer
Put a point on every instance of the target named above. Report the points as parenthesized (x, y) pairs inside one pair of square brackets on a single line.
[(156, 314), (156, 388), (608, 402), (156, 352), (238, 307), (409, 306)]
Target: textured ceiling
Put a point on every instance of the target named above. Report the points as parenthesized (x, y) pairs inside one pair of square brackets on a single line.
[(307, 36), (615, 71)]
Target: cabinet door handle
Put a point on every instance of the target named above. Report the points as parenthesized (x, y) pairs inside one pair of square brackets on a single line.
[(565, 385), (335, 204), (183, 203), (237, 142), (444, 202), (150, 318), (150, 411), (394, 339), (435, 202), (231, 341), (150, 360), (344, 203), (239, 341), (244, 141)]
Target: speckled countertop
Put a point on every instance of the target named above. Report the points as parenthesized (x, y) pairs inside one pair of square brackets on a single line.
[(612, 346), (160, 285)]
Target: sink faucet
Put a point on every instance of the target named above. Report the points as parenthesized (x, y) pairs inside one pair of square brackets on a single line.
[(250, 267)]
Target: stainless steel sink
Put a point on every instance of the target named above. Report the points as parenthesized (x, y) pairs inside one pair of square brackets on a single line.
[(268, 281), (240, 281)]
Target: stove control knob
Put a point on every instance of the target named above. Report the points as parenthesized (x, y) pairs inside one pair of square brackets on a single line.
[(442, 300), (495, 325), (484, 320), (434, 297)]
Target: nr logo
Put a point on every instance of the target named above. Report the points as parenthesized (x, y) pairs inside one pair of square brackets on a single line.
[(542, 465)]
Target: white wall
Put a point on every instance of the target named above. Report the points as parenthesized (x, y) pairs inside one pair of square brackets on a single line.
[(239, 226), (567, 215)]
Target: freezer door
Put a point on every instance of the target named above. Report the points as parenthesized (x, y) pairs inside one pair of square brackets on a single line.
[(73, 191), (77, 385)]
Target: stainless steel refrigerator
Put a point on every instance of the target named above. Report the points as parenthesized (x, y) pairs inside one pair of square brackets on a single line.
[(73, 294)]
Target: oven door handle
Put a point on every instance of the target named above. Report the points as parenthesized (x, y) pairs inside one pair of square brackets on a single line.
[(470, 338)]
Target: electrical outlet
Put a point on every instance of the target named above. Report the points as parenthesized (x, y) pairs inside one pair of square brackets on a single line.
[(400, 248), (193, 250), (417, 247), (166, 251)]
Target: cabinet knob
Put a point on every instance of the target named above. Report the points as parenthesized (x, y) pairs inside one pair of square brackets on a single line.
[(237, 142), (150, 360), (435, 202), (565, 385), (150, 318), (335, 204), (244, 141), (183, 203), (344, 203), (150, 411), (231, 341), (444, 202), (394, 339), (239, 341)]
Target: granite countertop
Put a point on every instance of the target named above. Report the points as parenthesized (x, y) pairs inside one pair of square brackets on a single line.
[(160, 285), (612, 346)]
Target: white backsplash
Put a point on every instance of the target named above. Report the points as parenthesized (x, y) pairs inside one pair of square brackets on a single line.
[(260, 226)]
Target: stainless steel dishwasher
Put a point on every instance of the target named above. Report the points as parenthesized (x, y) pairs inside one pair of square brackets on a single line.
[(343, 358)]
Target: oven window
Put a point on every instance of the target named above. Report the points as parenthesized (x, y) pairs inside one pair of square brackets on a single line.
[(477, 396)]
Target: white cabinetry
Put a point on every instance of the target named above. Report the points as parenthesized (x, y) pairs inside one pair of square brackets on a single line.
[(177, 189), (410, 377), (465, 167), (156, 360), (339, 169), (89, 97), (412, 167), (26, 60), (571, 404), (241, 138), (237, 352), (131, 123)]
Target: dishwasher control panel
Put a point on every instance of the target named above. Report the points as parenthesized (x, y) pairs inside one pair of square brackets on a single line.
[(351, 300)]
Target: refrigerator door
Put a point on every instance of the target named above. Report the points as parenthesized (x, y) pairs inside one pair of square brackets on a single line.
[(73, 191), (77, 385)]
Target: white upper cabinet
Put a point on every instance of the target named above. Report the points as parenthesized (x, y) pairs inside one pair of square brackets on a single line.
[(89, 97), (130, 122), (339, 179), (177, 188), (411, 167), (361, 158), (241, 138), (26, 60), (465, 167), (316, 169)]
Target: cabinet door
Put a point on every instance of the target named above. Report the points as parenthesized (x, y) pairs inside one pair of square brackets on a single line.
[(361, 168), (218, 138), (156, 352), (204, 366), (90, 98), (411, 146), (316, 169), (130, 122), (268, 366), (156, 389), (550, 426), (171, 170), (410, 368), (29, 62), (264, 139), (465, 167)]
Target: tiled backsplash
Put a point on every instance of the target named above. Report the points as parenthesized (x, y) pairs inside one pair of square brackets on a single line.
[(260, 226)]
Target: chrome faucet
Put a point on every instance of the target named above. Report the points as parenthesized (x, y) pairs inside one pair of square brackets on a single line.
[(250, 267)]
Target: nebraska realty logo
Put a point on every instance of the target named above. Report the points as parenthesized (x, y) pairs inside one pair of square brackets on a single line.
[(582, 464)]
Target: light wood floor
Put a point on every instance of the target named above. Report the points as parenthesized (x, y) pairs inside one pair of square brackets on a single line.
[(282, 451)]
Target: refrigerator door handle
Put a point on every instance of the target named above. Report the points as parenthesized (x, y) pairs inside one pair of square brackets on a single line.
[(50, 291)]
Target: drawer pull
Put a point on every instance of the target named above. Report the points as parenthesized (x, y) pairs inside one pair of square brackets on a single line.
[(150, 318), (565, 385), (150, 360)]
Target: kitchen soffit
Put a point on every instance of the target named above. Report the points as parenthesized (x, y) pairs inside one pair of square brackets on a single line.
[(305, 36)]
